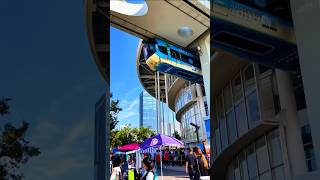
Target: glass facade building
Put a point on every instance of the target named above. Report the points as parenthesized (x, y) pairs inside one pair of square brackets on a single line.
[(250, 137), (190, 108), (166, 123), (262, 159), (148, 111)]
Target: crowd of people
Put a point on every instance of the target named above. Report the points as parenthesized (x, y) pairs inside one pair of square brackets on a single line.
[(196, 164), (125, 167), (121, 169)]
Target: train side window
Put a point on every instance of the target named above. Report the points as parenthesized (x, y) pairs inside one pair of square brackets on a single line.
[(186, 59), (175, 54), (163, 49)]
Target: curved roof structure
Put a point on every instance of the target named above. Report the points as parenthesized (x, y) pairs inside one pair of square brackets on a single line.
[(97, 19), (147, 76)]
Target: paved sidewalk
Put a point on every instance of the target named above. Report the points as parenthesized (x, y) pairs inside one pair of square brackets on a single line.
[(171, 173)]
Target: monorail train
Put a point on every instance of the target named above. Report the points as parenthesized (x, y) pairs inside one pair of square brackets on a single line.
[(257, 30), (163, 57)]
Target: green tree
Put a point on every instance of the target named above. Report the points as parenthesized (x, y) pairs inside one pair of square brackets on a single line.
[(143, 133), (114, 111), (14, 148), (128, 135), (176, 135)]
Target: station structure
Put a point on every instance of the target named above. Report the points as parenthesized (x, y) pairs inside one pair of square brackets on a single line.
[(263, 121)]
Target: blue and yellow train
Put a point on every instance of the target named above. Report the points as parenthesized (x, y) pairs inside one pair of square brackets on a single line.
[(163, 57)]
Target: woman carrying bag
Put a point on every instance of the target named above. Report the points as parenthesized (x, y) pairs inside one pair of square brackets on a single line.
[(201, 164)]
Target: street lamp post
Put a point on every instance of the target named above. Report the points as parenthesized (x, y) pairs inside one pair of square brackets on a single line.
[(197, 130)]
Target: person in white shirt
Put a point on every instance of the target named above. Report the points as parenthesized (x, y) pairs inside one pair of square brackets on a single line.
[(148, 167), (116, 171)]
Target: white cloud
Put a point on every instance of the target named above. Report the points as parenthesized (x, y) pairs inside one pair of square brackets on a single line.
[(63, 154), (76, 132), (129, 110), (133, 104), (126, 115)]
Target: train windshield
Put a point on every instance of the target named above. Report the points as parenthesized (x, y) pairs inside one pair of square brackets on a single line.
[(278, 8), (148, 50)]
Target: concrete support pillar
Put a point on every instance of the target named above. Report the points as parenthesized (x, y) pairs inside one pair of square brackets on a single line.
[(204, 44), (306, 15), (157, 105), (297, 163), (201, 109)]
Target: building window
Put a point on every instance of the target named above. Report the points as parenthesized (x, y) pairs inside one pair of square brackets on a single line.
[(224, 133), (275, 151), (253, 109), (308, 148), (243, 166), (184, 97), (232, 126), (217, 141), (241, 118), (253, 162), (238, 105), (249, 79), (237, 88), (262, 155), (237, 175)]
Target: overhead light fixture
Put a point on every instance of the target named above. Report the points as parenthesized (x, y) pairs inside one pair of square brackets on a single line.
[(185, 31), (129, 7)]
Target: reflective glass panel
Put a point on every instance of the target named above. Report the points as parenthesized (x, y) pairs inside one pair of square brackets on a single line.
[(241, 119)]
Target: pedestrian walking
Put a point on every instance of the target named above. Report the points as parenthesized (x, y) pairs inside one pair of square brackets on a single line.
[(190, 161), (116, 170), (201, 164), (166, 158)]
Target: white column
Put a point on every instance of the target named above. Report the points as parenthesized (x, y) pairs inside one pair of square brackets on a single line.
[(201, 109), (293, 139), (205, 64), (156, 96), (307, 27)]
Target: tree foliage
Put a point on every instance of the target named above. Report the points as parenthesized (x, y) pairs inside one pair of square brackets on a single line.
[(14, 148), (128, 135), (176, 135), (114, 111)]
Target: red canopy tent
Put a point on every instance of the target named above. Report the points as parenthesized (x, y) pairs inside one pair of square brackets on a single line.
[(129, 147)]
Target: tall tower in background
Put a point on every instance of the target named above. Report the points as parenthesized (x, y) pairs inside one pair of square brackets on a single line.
[(147, 111), (100, 168)]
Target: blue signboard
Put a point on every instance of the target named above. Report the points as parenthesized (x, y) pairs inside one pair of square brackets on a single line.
[(207, 124)]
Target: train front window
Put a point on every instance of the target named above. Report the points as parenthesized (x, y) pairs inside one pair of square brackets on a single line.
[(163, 49)]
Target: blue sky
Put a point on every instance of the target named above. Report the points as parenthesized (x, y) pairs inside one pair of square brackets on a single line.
[(47, 68), (124, 83)]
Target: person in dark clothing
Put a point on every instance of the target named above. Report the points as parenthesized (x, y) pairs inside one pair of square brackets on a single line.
[(190, 160), (200, 164)]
